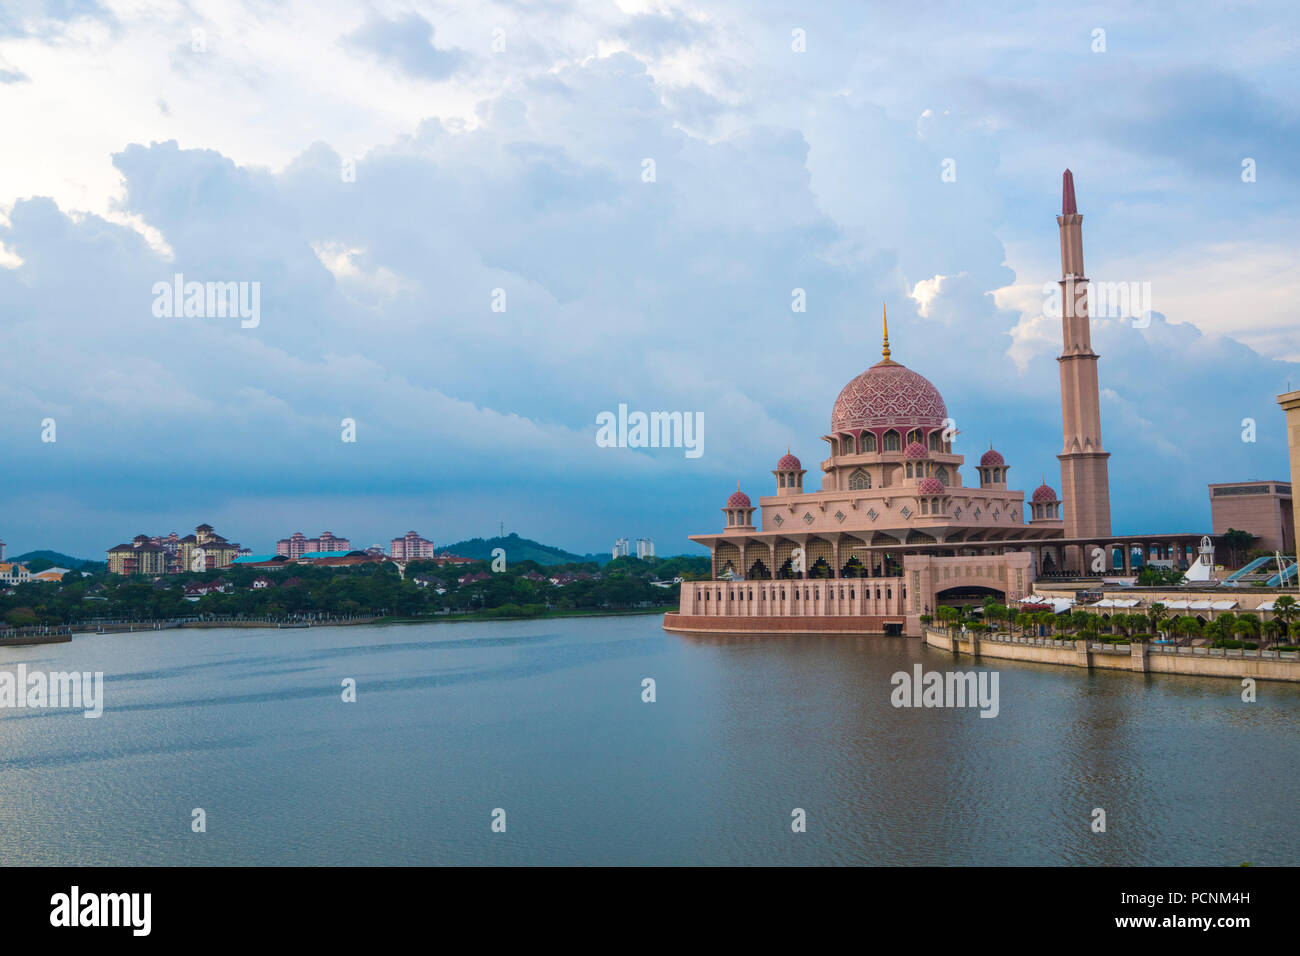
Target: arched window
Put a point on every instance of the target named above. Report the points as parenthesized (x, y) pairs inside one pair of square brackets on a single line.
[(914, 436), (942, 474), (869, 442), (892, 441), (925, 506), (909, 469), (849, 445), (936, 441), (860, 480)]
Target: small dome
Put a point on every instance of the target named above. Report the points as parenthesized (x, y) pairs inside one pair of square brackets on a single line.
[(1044, 493), (992, 459), (738, 499), (916, 450), (931, 486), (788, 463)]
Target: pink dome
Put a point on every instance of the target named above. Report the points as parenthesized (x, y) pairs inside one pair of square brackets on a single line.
[(738, 499), (992, 459), (1044, 493), (931, 486), (788, 463), (916, 450), (888, 394)]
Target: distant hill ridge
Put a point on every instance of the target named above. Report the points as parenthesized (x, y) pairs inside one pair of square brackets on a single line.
[(518, 549), (56, 560)]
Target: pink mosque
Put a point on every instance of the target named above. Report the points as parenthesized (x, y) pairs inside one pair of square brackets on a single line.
[(893, 531)]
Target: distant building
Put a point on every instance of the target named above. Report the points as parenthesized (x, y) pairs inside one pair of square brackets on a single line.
[(201, 551), (645, 548), (14, 573), (205, 549), (410, 547), (141, 556), (298, 544), (51, 574), (2, 550), (1264, 508), (621, 548)]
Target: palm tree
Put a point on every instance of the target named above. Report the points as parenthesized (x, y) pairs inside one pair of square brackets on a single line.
[(1080, 620), (1187, 626), (1247, 625), (1285, 609), (1156, 615), (1275, 628)]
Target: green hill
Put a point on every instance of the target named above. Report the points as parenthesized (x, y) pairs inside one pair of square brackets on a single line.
[(40, 560), (519, 549)]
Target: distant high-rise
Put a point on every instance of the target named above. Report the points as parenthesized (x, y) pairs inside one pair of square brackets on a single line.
[(298, 544), (410, 546), (645, 548), (622, 548)]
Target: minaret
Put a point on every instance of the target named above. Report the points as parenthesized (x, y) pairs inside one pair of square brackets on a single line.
[(1085, 480)]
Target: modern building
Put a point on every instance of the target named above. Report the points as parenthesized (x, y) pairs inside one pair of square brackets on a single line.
[(298, 544), (1264, 508), (621, 549), (645, 548), (893, 530), (1290, 403), (410, 547)]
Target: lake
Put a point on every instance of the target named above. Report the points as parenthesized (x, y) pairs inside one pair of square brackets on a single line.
[(545, 720)]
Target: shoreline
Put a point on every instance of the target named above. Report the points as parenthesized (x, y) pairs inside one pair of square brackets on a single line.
[(142, 627)]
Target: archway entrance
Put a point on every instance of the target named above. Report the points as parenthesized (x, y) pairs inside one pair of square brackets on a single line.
[(969, 595)]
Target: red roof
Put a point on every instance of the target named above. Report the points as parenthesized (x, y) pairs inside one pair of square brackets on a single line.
[(932, 486), (916, 450), (738, 499), (788, 463), (1044, 493), (991, 459)]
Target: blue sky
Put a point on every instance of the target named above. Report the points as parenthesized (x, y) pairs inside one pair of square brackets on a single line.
[(502, 146)]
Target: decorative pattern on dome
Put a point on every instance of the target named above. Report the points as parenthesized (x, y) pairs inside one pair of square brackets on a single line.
[(788, 463), (738, 499), (885, 395), (931, 486), (916, 450), (1044, 493), (992, 459)]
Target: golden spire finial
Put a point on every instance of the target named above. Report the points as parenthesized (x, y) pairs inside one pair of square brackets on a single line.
[(884, 321)]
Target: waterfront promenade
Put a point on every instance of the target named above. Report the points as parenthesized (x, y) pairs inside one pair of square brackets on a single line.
[(1143, 658)]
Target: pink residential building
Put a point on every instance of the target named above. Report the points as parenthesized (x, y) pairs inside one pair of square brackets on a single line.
[(410, 547), (298, 544)]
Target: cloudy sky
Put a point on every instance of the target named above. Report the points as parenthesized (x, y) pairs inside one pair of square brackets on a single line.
[(381, 169)]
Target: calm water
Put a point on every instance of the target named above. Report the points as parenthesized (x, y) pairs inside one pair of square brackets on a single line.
[(545, 720)]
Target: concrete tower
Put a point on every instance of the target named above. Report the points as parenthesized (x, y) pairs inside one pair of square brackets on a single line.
[(1085, 480)]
